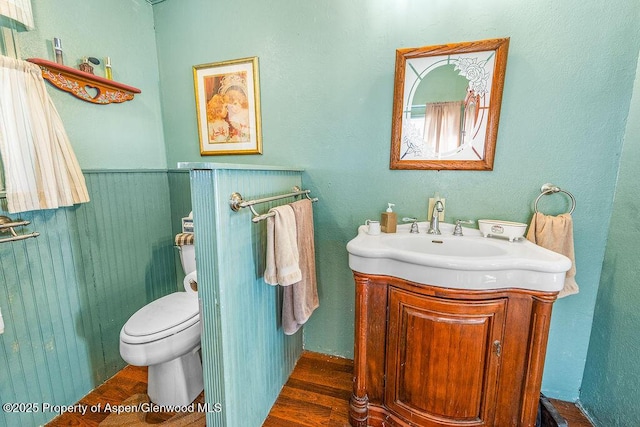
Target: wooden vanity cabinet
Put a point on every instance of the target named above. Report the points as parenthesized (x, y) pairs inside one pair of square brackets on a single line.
[(432, 356)]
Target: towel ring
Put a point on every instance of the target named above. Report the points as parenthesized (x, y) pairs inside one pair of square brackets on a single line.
[(550, 189)]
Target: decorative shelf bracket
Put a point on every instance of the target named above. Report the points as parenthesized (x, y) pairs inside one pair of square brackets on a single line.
[(85, 86)]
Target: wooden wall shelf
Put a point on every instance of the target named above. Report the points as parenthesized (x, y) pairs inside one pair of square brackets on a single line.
[(85, 86)]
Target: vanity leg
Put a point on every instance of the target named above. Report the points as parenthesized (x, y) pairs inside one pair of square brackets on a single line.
[(358, 411)]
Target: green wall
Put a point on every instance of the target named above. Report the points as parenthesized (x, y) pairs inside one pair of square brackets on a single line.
[(326, 80), (114, 136), (610, 387), (441, 84)]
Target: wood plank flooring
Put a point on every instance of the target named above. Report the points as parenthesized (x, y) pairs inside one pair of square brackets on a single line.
[(571, 413), (127, 387), (316, 394)]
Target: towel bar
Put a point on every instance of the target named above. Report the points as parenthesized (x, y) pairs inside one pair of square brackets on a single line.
[(236, 202), (7, 225), (550, 189)]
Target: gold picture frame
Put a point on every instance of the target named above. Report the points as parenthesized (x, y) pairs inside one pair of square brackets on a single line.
[(446, 105), (227, 98)]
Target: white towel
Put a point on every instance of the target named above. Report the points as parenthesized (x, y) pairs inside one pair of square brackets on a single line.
[(282, 248), (300, 299), (556, 234)]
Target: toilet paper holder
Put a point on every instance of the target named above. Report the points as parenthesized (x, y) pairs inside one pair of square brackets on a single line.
[(7, 225)]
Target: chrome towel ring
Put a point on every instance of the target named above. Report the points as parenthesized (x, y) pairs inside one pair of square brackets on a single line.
[(550, 189)]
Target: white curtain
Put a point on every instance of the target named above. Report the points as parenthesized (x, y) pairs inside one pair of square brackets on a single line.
[(41, 170), (18, 10), (442, 126)]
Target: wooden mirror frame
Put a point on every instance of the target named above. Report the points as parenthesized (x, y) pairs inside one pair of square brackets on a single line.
[(500, 48)]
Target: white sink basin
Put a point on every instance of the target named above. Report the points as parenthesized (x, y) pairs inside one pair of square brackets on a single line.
[(467, 262), (436, 245)]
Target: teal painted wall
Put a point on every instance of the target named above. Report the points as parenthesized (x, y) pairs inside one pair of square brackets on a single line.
[(65, 295), (246, 356), (610, 387), (326, 80), (114, 136), (441, 84)]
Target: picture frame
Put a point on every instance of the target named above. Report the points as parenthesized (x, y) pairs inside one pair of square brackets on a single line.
[(446, 105), (227, 96)]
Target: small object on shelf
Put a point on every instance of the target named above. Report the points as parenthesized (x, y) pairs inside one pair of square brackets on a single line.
[(85, 66), (94, 61), (57, 49), (77, 82), (108, 72)]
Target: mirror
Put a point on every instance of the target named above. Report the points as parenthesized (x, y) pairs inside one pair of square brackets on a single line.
[(446, 105)]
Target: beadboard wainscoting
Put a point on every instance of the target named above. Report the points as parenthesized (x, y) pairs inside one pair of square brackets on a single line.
[(65, 295), (246, 356)]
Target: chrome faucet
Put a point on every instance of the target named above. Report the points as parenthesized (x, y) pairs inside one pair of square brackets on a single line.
[(434, 225), (414, 224)]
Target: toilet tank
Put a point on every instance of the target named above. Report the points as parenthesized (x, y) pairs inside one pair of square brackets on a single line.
[(188, 258)]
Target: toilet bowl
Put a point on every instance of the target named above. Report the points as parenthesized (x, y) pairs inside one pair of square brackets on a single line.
[(165, 336)]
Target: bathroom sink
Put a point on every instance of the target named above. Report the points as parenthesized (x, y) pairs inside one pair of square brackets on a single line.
[(450, 247), (463, 262)]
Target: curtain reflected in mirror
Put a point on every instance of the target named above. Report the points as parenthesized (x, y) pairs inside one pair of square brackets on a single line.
[(442, 127), (447, 104)]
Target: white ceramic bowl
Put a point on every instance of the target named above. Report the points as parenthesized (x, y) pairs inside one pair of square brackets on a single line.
[(497, 228)]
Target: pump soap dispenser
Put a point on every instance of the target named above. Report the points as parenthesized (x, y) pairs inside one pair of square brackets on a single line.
[(389, 220)]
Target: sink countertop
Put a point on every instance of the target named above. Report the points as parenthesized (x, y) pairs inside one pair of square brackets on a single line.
[(469, 262)]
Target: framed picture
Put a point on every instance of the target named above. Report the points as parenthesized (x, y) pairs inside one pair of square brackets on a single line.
[(228, 107)]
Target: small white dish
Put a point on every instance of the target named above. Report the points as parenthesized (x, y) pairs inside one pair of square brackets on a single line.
[(496, 228)]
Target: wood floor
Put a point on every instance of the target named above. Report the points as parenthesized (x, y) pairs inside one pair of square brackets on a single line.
[(316, 394)]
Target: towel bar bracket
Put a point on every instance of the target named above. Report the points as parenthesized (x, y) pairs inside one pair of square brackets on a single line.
[(234, 202)]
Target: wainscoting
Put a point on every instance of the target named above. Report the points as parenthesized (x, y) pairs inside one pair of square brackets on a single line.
[(246, 356), (65, 294)]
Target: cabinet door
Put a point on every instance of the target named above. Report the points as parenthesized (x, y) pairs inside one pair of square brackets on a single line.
[(443, 359)]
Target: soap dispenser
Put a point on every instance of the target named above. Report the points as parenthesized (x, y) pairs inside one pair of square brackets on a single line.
[(389, 220)]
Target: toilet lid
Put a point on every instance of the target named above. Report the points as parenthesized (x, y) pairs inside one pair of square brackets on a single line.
[(165, 316)]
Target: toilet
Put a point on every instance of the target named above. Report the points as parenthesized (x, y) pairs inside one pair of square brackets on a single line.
[(165, 336)]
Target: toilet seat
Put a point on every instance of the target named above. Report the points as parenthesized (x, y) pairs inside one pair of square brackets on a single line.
[(162, 318)]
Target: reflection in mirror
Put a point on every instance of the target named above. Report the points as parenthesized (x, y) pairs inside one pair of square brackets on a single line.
[(447, 105)]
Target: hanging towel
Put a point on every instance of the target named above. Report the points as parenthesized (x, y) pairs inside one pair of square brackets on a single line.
[(282, 266), (556, 234), (301, 298)]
